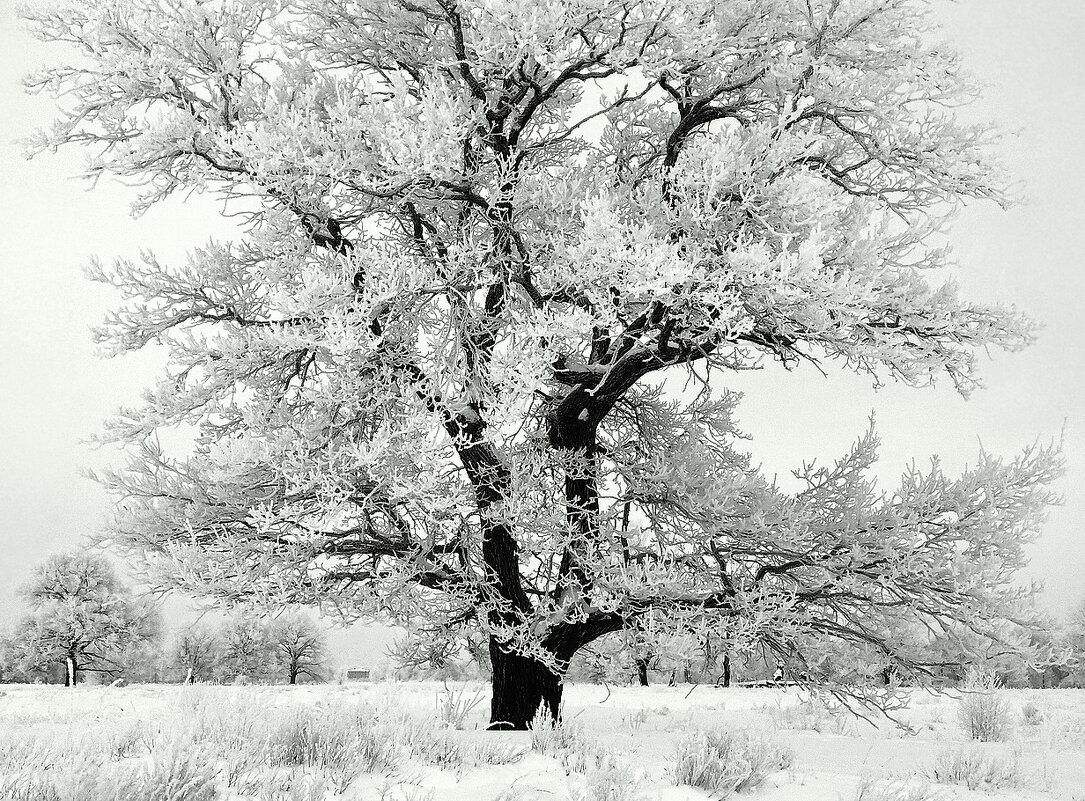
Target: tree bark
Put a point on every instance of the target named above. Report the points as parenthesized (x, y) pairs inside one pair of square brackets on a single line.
[(70, 676), (726, 670), (520, 686), (642, 672)]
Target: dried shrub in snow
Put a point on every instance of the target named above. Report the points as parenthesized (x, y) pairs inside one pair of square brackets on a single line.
[(339, 742), (615, 783), (419, 738), (983, 714), (402, 792), (296, 785), (978, 770), (566, 742), (608, 777), (175, 774), (17, 752), (518, 792), (634, 719), (811, 715), (26, 787), (1069, 727), (241, 744), (1031, 715), (870, 790), (489, 753), (551, 738), (453, 706), (722, 762)]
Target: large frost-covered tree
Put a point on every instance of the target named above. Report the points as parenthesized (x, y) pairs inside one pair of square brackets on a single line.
[(466, 360)]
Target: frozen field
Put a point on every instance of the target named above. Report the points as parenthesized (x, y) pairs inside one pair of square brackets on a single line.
[(400, 742)]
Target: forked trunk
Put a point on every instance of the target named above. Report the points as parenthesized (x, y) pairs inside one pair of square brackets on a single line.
[(520, 685)]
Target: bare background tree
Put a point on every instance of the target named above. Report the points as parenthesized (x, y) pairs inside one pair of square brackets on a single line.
[(301, 648), (197, 652)]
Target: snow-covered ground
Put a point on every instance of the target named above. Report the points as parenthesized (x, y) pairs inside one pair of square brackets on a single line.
[(198, 742)]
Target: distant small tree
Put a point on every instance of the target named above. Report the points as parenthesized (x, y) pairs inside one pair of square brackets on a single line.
[(1053, 639), (80, 616), (1074, 640), (711, 648), (301, 647), (145, 662), (197, 652), (7, 668), (643, 652), (247, 650)]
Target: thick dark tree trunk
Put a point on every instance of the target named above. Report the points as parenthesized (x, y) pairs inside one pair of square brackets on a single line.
[(726, 670), (642, 672), (520, 685)]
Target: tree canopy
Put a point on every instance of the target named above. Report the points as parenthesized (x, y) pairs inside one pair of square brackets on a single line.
[(467, 357)]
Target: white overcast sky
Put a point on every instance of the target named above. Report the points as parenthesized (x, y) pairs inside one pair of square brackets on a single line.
[(54, 392)]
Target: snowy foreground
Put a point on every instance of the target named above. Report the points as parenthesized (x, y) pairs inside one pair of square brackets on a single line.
[(413, 742)]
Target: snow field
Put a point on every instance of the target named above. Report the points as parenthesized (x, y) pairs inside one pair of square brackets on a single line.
[(421, 741)]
